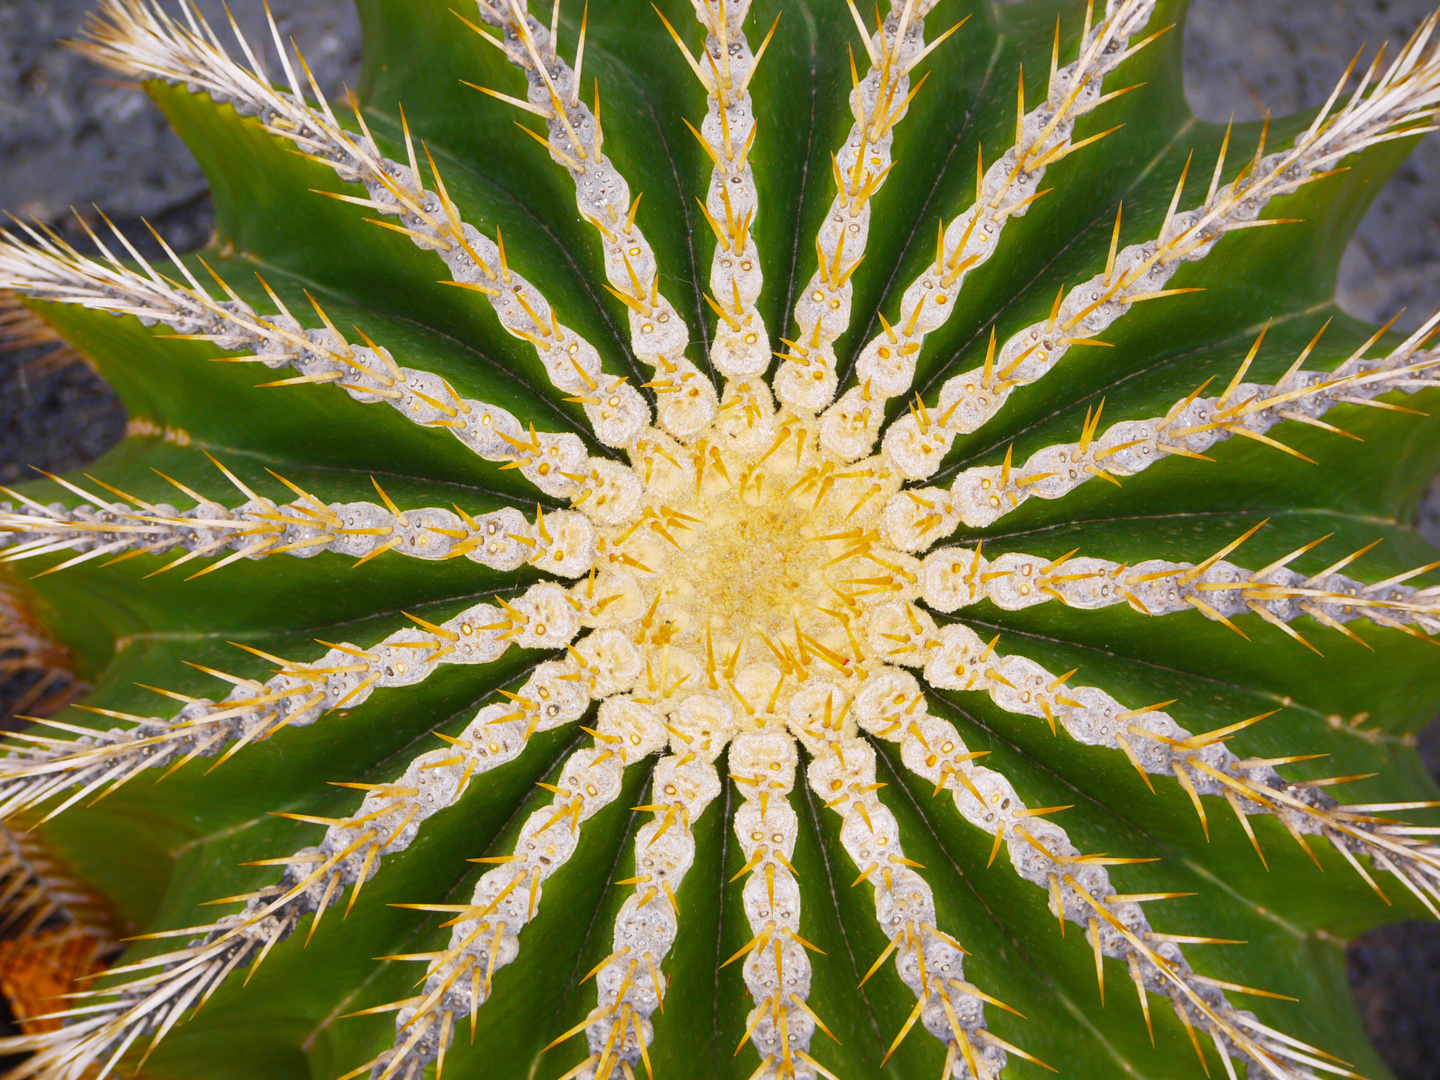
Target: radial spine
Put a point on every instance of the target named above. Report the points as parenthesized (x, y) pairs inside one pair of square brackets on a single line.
[(774, 964), (346, 675), (956, 577), (486, 934), (136, 37), (740, 348), (560, 543), (955, 658), (629, 982), (885, 366), (807, 377), (981, 495), (658, 335), (1399, 104), (388, 820), (53, 270), (929, 961), (893, 708)]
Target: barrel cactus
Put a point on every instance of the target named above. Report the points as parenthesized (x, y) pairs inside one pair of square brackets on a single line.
[(807, 622)]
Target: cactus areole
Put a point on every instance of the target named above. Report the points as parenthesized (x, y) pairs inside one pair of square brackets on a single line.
[(902, 598)]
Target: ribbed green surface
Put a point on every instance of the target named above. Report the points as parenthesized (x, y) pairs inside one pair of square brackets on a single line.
[(159, 851)]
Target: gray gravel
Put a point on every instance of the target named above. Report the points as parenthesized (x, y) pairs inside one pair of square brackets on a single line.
[(74, 136), (1244, 56), (71, 135)]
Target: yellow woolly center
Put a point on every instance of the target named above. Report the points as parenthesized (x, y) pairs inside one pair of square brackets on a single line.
[(748, 567), (752, 577)]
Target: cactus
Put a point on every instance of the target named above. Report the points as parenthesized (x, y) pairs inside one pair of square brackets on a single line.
[(949, 464)]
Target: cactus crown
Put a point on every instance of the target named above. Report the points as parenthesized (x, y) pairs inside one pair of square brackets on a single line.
[(979, 483)]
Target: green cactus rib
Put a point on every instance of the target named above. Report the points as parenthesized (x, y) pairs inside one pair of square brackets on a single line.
[(367, 373), (885, 366), (1402, 96), (981, 495), (749, 566)]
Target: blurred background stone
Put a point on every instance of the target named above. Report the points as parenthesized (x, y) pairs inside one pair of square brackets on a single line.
[(72, 135), (1245, 56)]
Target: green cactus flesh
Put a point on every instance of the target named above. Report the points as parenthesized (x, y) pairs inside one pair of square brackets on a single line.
[(738, 632)]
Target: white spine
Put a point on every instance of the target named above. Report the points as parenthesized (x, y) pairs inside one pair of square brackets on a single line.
[(388, 820), (542, 618), (928, 961), (774, 964), (1407, 93), (981, 495), (630, 985), (486, 934), (560, 543), (885, 366), (137, 37), (892, 707), (658, 335), (806, 379)]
